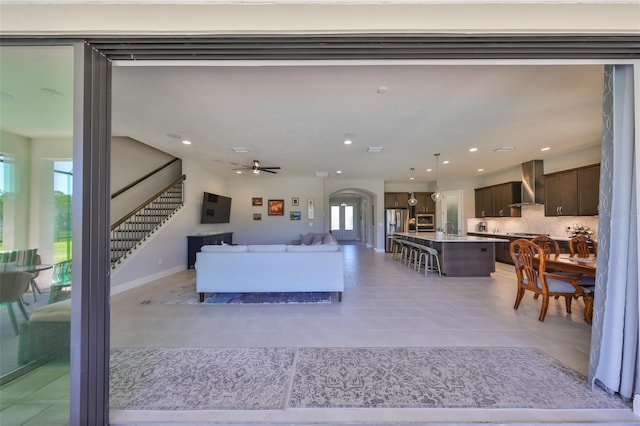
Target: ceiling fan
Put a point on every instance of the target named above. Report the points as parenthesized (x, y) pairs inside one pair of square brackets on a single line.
[(257, 168)]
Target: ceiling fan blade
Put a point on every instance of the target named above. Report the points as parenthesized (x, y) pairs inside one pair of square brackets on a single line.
[(268, 171), (269, 168)]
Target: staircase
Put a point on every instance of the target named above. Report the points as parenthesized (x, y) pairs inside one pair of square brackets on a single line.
[(129, 232)]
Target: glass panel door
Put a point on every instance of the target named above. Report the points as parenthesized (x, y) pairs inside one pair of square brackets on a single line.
[(36, 144)]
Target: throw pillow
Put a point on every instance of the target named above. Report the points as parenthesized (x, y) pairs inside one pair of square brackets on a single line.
[(317, 240), (306, 239)]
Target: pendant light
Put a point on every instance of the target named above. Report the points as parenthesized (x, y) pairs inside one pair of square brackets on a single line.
[(412, 200), (437, 196)]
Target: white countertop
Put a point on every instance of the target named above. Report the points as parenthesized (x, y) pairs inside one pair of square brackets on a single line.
[(431, 236), (514, 234)]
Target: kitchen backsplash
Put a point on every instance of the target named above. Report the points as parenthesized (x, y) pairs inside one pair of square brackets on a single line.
[(534, 221)]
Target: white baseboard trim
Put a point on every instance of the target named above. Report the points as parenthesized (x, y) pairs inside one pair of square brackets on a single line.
[(636, 405), (144, 280)]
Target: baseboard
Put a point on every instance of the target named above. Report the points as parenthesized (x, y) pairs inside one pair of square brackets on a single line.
[(144, 280)]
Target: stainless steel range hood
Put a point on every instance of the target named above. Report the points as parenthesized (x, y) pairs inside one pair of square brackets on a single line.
[(532, 182)]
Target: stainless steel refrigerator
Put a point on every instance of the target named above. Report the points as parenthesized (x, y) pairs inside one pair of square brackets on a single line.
[(395, 221)]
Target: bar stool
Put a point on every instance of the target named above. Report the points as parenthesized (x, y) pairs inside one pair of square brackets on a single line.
[(396, 247), (432, 254), (414, 252)]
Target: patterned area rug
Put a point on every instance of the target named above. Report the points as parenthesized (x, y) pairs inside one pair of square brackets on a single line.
[(198, 379), (415, 377), (186, 294)]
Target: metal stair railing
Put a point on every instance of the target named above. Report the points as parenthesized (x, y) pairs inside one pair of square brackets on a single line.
[(130, 231)]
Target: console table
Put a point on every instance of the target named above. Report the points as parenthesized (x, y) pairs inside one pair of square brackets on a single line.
[(194, 242)]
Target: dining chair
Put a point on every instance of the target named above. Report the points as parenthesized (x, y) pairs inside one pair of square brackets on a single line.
[(581, 246), (12, 286), (61, 286), (549, 246), (529, 261)]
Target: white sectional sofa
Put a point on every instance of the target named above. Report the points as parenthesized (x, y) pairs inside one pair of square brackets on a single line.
[(270, 268)]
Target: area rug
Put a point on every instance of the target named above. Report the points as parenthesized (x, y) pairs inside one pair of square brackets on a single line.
[(186, 294), (411, 377), (198, 379)]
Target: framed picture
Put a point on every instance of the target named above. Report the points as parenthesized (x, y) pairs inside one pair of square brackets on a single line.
[(256, 201), (310, 212), (295, 201), (276, 207), (257, 216), (295, 215)]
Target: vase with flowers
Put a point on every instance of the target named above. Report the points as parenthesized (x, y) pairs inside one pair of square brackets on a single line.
[(578, 229)]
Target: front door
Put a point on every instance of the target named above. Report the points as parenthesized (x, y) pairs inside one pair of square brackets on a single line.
[(343, 219)]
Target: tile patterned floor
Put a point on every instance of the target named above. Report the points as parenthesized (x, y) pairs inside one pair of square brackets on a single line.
[(385, 304)]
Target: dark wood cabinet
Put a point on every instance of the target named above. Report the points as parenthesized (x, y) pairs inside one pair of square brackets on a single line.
[(396, 200), (484, 202), (498, 200), (572, 192), (195, 242), (504, 196), (588, 190), (425, 203)]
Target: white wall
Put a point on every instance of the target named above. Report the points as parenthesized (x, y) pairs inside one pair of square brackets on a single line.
[(166, 252), (17, 201), (274, 229)]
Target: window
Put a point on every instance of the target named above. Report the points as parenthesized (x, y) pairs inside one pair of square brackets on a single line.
[(348, 218), (335, 218), (62, 192)]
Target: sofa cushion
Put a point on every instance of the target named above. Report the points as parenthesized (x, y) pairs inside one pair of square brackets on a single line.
[(328, 238), (306, 239), (267, 248), (224, 249), (312, 249)]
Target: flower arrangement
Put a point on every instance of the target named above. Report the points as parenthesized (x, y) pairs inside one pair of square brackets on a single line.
[(577, 229)]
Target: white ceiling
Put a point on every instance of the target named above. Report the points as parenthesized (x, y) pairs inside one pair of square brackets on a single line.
[(297, 116)]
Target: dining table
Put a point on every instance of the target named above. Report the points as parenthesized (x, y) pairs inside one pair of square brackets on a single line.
[(575, 265)]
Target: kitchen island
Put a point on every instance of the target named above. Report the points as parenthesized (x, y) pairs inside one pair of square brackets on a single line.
[(460, 255)]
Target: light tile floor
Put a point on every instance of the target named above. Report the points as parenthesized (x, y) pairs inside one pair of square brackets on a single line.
[(384, 304)]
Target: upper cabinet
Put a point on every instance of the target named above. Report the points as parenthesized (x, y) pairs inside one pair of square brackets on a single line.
[(400, 200), (396, 200), (425, 203), (572, 192), (498, 200)]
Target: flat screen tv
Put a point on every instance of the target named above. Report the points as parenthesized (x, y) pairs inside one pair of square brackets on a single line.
[(215, 208)]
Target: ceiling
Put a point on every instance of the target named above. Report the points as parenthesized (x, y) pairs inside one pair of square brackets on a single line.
[(297, 116)]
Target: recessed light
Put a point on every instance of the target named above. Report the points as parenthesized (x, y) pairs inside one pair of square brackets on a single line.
[(374, 149), (446, 162), (429, 170), (238, 172), (481, 170), (474, 149), (186, 142), (546, 148), (348, 142), (239, 149), (338, 171)]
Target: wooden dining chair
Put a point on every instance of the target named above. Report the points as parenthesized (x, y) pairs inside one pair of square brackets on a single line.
[(549, 246), (582, 246), (529, 261)]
